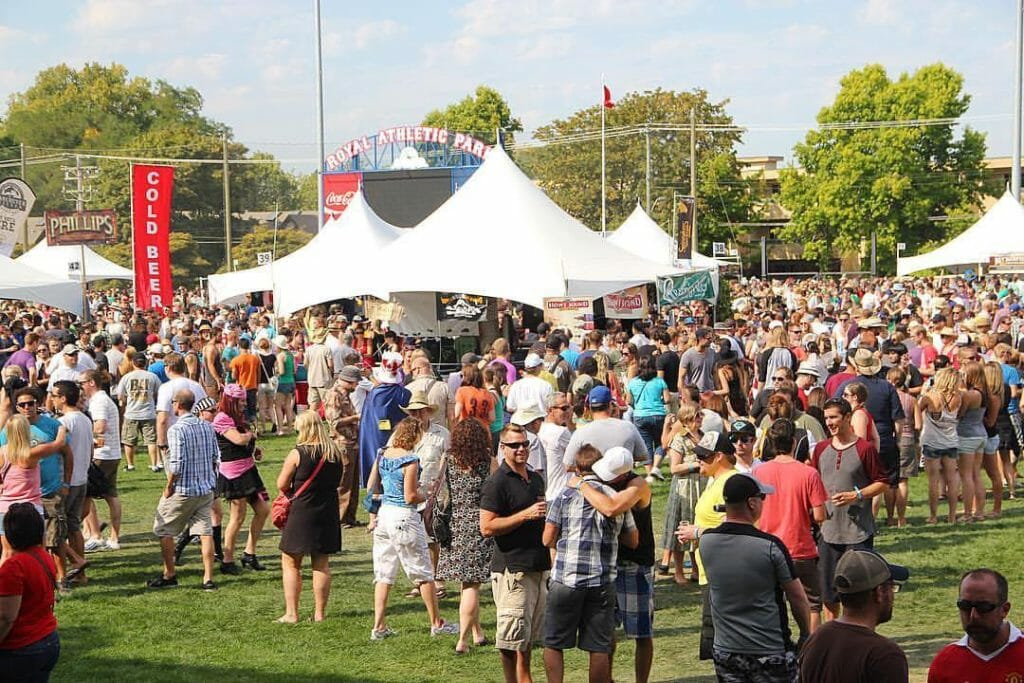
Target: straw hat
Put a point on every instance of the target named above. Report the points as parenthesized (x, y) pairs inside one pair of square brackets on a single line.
[(947, 332), (419, 401), (866, 363)]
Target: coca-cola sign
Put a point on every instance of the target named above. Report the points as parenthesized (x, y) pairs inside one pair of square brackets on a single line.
[(339, 191)]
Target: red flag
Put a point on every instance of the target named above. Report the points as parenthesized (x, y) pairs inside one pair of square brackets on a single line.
[(151, 222), (608, 102)]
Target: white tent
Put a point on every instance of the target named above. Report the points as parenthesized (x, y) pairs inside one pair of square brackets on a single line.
[(640, 235), (54, 261), (999, 231), (501, 236), (21, 281), (340, 262)]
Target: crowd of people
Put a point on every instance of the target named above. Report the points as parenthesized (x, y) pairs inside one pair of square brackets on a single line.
[(777, 437)]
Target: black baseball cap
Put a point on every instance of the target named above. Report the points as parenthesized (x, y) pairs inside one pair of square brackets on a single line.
[(741, 487)]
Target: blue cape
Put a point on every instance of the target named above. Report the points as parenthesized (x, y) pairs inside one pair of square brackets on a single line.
[(384, 402)]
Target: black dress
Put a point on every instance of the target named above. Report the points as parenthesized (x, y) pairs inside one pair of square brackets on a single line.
[(314, 525)]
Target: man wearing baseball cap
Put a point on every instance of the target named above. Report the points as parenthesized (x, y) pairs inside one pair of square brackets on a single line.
[(848, 648), (634, 582), (531, 391), (605, 431), (748, 572)]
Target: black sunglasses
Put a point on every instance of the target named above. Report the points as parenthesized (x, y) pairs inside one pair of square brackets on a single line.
[(746, 438), (981, 606), (778, 379), (515, 445), (26, 404)]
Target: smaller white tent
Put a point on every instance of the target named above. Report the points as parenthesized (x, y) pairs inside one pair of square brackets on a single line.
[(54, 261), (999, 231), (640, 235), (23, 282), (338, 263)]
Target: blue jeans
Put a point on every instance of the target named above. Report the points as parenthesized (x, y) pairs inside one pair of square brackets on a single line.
[(31, 663), (650, 430)]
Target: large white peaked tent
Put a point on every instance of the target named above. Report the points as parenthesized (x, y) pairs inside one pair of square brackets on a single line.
[(999, 231), (340, 262), (54, 261), (640, 235), (21, 281), (501, 236)]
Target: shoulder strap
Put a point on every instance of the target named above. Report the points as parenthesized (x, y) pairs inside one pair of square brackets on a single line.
[(316, 471), (53, 579)]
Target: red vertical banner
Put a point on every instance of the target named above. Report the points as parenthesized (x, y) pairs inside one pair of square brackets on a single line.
[(339, 189), (151, 227)]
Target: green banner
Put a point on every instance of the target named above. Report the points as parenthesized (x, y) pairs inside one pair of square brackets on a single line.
[(679, 289)]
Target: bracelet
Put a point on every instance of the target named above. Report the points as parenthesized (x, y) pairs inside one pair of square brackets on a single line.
[(696, 533), (66, 485), (860, 496)]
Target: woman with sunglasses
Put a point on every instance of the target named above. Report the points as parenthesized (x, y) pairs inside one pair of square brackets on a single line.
[(682, 433)]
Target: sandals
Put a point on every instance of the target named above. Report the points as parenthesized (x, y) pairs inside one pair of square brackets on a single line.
[(75, 571), (162, 582)]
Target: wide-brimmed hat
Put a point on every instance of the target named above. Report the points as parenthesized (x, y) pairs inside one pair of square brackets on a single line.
[(525, 416), (866, 363), (947, 332), (234, 391), (809, 369), (350, 373), (281, 341), (419, 401), (869, 323)]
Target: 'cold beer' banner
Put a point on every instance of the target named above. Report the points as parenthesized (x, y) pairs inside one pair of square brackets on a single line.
[(151, 227)]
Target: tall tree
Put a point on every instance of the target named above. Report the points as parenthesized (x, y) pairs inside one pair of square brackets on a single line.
[(187, 261), (480, 114), (569, 169), (857, 179), (263, 239)]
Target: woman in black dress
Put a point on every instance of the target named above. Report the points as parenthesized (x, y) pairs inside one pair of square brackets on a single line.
[(314, 525)]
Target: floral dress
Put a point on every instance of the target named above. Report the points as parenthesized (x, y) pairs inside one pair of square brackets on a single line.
[(468, 557), (683, 494)]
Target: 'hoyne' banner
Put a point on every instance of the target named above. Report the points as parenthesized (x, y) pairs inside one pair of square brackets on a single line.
[(151, 226)]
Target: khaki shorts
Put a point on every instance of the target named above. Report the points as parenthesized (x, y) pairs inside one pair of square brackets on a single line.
[(520, 599), (56, 521), (177, 513), (109, 469), (138, 432)]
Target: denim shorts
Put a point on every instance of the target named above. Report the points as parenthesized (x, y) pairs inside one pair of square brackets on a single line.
[(938, 453)]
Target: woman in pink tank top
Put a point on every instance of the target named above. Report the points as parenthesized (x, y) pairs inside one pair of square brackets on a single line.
[(19, 472)]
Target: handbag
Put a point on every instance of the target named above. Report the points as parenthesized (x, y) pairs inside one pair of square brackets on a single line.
[(282, 504), (437, 513)]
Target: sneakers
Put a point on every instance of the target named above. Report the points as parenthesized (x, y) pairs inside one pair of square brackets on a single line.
[(209, 586), (252, 562), (231, 568), (160, 468), (445, 629), (649, 479), (162, 582), (154, 468), (129, 468), (94, 544), (657, 475), (113, 545), (383, 633)]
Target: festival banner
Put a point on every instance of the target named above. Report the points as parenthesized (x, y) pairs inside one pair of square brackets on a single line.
[(81, 227), (152, 187), (385, 311), (685, 208), (680, 289), (629, 303), (16, 200), (574, 314), (461, 307), (339, 189)]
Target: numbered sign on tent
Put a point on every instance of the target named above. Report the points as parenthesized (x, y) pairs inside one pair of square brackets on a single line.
[(264, 258)]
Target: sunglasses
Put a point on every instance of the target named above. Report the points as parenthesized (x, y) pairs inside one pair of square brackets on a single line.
[(746, 439), (981, 606), (26, 404), (778, 379), (565, 407), (515, 445)]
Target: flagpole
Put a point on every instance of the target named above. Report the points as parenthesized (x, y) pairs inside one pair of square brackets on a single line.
[(604, 225)]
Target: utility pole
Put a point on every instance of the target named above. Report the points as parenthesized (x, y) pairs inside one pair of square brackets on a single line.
[(24, 228), (693, 174), (79, 208), (1018, 58), (647, 135), (227, 206), (319, 119)]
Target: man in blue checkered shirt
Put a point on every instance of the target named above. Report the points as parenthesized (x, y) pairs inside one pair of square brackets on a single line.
[(581, 597)]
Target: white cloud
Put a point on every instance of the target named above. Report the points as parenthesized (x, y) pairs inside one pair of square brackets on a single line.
[(376, 32), (209, 67), (107, 16), (880, 13), (550, 46)]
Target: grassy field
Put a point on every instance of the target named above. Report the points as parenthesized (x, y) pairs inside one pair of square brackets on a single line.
[(116, 629)]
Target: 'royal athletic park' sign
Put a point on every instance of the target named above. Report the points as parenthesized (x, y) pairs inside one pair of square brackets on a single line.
[(680, 289), (406, 136)]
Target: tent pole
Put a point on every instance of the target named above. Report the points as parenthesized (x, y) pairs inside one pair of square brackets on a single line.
[(1018, 59)]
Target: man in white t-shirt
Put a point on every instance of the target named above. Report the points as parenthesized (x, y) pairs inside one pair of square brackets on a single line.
[(66, 371), (531, 391), (106, 454), (83, 361), (174, 365), (65, 396), (554, 436)]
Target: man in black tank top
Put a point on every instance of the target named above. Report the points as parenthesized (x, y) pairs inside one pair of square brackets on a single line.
[(634, 581)]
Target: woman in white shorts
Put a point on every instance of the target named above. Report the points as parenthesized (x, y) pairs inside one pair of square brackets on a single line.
[(972, 436), (399, 537)]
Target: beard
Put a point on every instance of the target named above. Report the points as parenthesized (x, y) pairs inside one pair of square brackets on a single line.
[(982, 634)]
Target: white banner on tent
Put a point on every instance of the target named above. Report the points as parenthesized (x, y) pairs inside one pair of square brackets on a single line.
[(16, 200)]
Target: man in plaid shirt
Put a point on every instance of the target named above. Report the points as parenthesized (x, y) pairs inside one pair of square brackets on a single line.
[(581, 597)]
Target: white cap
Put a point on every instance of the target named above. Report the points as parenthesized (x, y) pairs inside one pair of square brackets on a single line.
[(615, 462), (533, 361), (525, 416)]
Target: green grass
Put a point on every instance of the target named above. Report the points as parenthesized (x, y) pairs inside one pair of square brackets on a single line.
[(115, 629)]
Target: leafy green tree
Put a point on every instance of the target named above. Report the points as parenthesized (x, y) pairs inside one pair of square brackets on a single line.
[(481, 115), (891, 180), (262, 239), (265, 187), (306, 194), (187, 261), (570, 171)]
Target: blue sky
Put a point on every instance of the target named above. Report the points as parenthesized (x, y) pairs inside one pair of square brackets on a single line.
[(388, 63)]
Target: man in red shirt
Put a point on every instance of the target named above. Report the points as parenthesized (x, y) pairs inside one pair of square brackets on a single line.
[(993, 649), (799, 494)]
